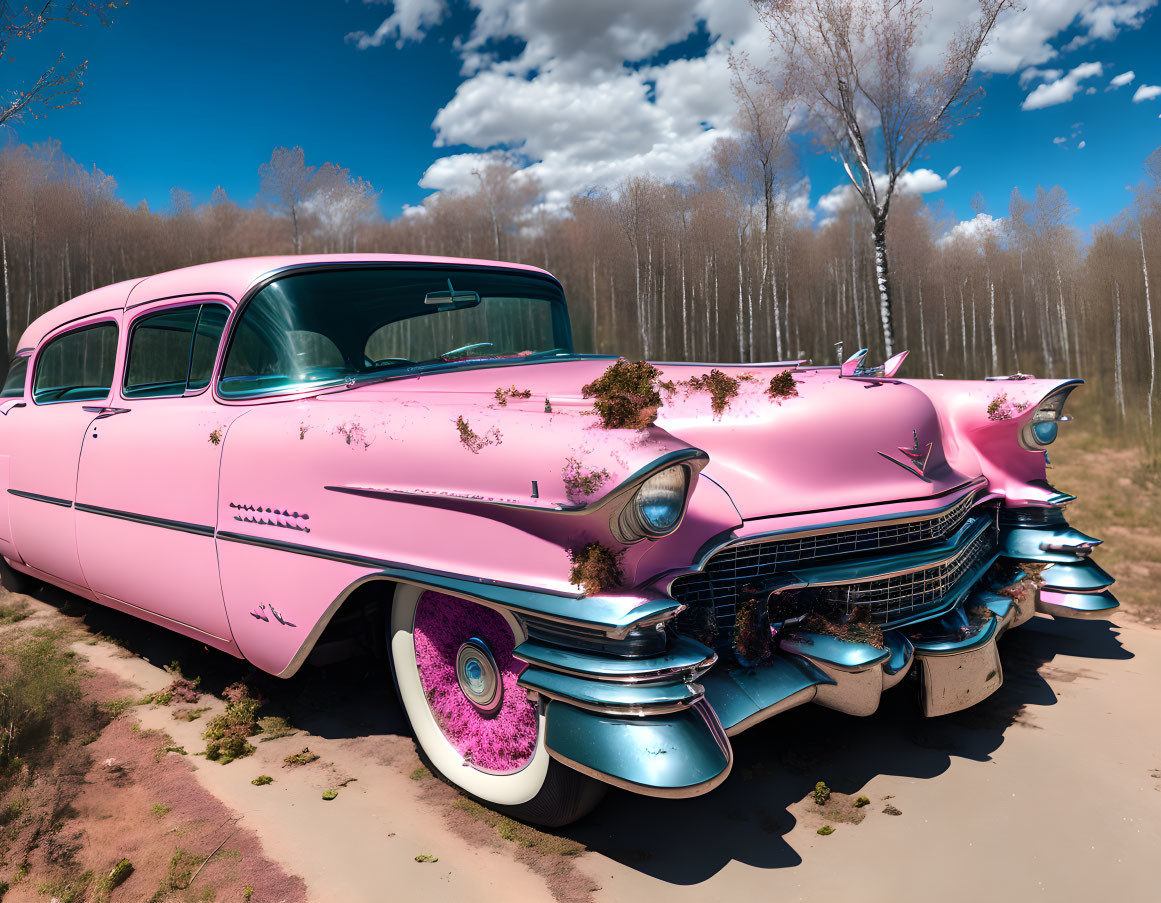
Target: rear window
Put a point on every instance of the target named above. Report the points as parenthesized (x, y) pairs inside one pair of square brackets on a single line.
[(76, 366)]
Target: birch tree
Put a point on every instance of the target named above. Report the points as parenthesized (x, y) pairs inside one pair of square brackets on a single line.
[(284, 183), (873, 104)]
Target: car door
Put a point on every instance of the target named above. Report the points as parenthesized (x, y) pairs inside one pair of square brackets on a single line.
[(12, 397), (72, 377), (148, 484)]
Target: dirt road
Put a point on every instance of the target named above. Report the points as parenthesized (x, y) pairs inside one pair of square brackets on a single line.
[(1052, 786)]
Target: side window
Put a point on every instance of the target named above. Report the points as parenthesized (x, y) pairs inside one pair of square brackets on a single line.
[(76, 366), (14, 384), (173, 351)]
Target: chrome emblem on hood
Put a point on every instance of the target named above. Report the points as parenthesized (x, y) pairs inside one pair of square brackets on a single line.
[(914, 459)]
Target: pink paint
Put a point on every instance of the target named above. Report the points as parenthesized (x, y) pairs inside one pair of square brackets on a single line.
[(504, 742), (807, 460)]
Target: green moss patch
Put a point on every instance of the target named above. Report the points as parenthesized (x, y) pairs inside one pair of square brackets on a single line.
[(595, 568), (625, 396)]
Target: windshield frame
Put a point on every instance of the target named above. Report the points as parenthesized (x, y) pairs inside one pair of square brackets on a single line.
[(560, 318)]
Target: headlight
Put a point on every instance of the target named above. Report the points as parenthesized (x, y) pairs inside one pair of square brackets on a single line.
[(655, 509), (1042, 429)]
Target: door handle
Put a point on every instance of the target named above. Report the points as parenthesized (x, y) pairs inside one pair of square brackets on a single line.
[(103, 411), (10, 406)]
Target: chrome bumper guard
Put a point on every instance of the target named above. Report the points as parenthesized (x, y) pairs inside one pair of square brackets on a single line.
[(659, 724)]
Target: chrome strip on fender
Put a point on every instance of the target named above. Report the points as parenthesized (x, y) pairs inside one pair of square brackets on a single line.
[(37, 497), (149, 520)]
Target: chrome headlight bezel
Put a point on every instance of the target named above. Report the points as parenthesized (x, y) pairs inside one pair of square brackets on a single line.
[(1043, 426), (632, 523)]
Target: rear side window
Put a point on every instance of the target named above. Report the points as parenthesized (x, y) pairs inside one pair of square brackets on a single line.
[(14, 384), (76, 366), (173, 351)]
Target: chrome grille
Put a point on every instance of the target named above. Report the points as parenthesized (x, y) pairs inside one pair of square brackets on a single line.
[(891, 600), (734, 567), (711, 595)]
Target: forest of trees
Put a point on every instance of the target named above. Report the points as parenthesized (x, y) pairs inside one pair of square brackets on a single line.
[(692, 271)]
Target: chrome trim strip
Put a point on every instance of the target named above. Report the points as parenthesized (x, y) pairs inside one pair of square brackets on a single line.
[(691, 456), (379, 563), (646, 676), (623, 710), (520, 600), (37, 497), (148, 520)]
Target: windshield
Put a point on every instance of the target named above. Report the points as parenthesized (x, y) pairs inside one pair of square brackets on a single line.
[(333, 326)]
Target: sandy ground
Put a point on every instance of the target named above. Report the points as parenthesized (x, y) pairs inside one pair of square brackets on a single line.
[(1051, 787)]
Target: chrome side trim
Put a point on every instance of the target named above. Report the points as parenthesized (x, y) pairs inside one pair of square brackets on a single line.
[(694, 457), (37, 497), (381, 563), (148, 520)]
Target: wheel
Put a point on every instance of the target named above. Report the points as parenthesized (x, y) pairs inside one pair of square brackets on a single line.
[(456, 676), (14, 581)]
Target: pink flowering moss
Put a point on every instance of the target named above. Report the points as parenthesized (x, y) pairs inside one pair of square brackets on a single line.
[(504, 742), (1003, 408)]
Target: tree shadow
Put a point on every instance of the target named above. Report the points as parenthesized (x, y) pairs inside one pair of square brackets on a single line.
[(778, 762)]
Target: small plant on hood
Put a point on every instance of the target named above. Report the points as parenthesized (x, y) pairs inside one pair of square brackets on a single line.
[(502, 395), (782, 386), (595, 568), (721, 388), (1001, 408), (473, 441), (625, 396), (580, 484)]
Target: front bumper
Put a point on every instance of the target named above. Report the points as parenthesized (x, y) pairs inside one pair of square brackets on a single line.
[(660, 724)]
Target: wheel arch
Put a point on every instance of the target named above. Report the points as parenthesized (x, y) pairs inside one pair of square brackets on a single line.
[(373, 593)]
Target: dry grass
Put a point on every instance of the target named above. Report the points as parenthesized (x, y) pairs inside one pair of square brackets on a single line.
[(1119, 501)]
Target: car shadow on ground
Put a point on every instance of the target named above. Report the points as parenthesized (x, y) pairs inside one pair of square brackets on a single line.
[(350, 699), (776, 763)]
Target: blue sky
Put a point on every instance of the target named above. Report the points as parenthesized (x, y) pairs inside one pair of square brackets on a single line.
[(197, 96)]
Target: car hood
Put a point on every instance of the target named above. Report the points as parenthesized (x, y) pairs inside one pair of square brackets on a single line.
[(838, 443)]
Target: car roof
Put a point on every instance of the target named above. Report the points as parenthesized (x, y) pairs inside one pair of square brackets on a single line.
[(232, 278)]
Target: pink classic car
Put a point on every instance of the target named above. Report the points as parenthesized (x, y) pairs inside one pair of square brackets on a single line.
[(585, 571)]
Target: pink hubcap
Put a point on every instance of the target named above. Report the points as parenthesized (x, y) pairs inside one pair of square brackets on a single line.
[(464, 655)]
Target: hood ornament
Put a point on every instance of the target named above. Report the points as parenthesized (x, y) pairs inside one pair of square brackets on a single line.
[(914, 459)]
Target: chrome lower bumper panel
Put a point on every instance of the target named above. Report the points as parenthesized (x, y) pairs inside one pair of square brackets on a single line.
[(660, 725)]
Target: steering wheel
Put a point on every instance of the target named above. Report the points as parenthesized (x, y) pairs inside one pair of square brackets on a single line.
[(448, 354)]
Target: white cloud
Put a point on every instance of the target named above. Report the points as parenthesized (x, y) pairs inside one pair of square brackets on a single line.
[(1081, 145), (409, 21), (1104, 20), (1146, 92), (954, 172), (581, 104), (1063, 89), (1059, 140), (982, 225), (1032, 74), (1119, 81), (921, 181)]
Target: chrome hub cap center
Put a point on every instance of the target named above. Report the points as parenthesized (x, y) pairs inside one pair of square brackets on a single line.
[(478, 676)]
